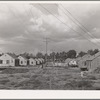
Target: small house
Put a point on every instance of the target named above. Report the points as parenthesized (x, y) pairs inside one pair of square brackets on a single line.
[(94, 61), (90, 62), (84, 61), (78, 59), (40, 60), (22, 60), (32, 61), (68, 60), (73, 63), (8, 59), (37, 61)]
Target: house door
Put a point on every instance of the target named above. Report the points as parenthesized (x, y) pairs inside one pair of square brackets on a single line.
[(28, 62), (17, 62)]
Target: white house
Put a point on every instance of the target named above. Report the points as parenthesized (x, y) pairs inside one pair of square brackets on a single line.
[(67, 61), (8, 59), (32, 61), (37, 61), (41, 61), (22, 60)]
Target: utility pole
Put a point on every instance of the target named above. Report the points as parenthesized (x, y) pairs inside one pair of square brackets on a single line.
[(46, 55), (46, 49)]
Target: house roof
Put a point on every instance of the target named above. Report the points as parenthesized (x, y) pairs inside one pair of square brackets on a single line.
[(86, 57), (78, 58), (12, 55), (95, 56), (68, 60), (23, 57), (89, 57), (32, 58), (40, 59), (37, 59)]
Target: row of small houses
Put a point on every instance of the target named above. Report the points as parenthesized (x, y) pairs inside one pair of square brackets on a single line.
[(8, 59)]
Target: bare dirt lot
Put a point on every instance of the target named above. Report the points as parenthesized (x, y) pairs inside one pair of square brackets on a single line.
[(49, 78)]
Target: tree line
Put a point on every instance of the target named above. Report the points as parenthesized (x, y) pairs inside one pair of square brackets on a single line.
[(60, 56)]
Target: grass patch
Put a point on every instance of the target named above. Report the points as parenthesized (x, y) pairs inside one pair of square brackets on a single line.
[(14, 70), (29, 84), (79, 85), (4, 81)]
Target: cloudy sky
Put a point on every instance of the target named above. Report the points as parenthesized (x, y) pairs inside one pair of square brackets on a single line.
[(24, 27)]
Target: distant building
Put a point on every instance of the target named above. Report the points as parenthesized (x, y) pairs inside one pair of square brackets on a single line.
[(90, 62), (9, 59), (22, 60), (78, 59), (37, 61), (32, 61), (70, 61), (41, 61), (94, 61)]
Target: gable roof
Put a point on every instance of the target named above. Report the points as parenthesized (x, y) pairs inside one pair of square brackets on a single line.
[(37, 59), (78, 58), (95, 56), (68, 60), (88, 58), (31, 58), (23, 57), (12, 55)]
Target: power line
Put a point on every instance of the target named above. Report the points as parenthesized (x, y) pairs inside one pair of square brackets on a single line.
[(71, 18), (49, 12), (86, 30), (78, 23), (66, 24)]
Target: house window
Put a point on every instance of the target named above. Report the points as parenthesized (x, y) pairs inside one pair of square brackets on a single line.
[(1, 61), (21, 62), (7, 61), (31, 62)]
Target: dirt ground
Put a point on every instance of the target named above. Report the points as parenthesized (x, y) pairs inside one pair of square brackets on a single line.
[(48, 78)]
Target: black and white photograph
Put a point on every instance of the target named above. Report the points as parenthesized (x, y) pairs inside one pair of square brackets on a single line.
[(50, 46)]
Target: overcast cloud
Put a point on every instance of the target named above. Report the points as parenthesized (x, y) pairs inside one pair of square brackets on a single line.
[(24, 27)]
